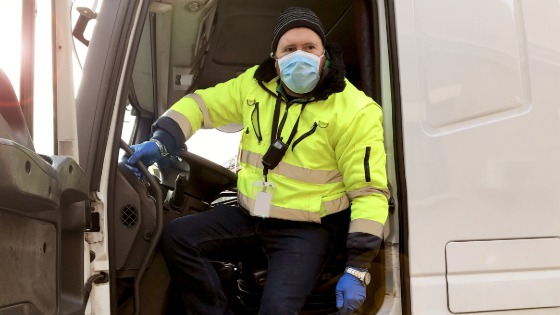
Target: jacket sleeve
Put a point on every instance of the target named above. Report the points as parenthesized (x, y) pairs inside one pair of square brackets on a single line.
[(205, 108), (361, 158)]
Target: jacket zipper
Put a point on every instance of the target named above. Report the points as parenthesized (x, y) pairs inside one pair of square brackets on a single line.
[(366, 164), (257, 130), (305, 135)]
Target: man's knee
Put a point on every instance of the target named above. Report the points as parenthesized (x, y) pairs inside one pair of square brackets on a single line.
[(282, 302), (277, 309), (175, 236)]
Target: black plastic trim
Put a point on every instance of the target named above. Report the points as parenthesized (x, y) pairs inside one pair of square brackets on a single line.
[(153, 40), (366, 165), (399, 155), (377, 91), (368, 38)]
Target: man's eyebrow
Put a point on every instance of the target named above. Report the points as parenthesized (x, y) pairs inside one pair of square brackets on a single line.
[(304, 44)]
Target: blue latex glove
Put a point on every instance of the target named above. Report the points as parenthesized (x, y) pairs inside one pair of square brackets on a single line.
[(350, 294), (147, 152)]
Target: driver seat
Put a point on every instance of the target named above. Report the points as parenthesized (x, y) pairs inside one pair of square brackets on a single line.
[(252, 274), (321, 301)]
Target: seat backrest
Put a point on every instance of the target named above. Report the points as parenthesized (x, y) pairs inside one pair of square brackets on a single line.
[(10, 110)]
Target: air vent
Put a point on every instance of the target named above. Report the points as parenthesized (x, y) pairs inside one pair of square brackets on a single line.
[(129, 216)]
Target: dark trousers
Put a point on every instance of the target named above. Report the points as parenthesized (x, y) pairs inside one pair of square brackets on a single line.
[(296, 253)]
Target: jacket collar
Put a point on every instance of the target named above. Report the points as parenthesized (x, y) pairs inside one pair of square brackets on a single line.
[(332, 80)]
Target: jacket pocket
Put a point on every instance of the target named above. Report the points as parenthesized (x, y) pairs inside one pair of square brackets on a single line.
[(257, 128), (366, 164), (305, 135)]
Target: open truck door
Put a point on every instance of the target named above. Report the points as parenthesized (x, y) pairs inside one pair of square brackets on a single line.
[(43, 197)]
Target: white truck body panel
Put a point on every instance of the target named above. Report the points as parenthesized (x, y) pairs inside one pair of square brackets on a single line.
[(479, 87)]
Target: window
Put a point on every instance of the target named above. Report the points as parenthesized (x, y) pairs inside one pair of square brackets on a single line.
[(43, 129), (10, 54), (216, 146), (11, 17)]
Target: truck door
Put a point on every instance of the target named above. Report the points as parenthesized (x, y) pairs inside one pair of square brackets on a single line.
[(477, 85), (42, 196)]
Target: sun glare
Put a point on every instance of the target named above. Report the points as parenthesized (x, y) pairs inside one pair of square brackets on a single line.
[(10, 24)]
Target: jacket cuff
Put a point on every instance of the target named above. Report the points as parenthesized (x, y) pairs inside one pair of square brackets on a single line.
[(362, 249), (168, 132)]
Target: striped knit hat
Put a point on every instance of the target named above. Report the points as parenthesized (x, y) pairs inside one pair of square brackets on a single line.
[(293, 17)]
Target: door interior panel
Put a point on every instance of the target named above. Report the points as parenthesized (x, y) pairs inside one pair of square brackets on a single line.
[(42, 221)]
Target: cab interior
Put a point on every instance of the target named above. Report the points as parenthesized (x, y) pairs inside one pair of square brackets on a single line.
[(187, 45)]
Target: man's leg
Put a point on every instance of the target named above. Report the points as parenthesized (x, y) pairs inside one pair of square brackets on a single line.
[(297, 252), (189, 244)]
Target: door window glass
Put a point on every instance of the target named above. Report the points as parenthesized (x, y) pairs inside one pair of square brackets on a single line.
[(10, 37)]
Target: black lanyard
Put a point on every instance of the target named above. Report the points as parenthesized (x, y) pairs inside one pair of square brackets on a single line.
[(277, 130), (278, 148)]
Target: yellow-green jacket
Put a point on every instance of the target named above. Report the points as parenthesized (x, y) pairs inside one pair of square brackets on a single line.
[(336, 159)]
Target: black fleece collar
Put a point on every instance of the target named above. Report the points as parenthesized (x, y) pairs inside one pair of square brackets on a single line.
[(332, 82)]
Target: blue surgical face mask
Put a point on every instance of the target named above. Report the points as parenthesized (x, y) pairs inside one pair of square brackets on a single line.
[(300, 71)]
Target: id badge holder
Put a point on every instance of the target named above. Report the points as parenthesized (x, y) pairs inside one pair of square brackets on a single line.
[(263, 199)]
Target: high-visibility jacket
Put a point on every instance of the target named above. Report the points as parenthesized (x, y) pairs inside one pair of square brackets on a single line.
[(336, 159)]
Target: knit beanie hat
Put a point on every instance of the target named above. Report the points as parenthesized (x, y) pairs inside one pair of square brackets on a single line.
[(293, 17)]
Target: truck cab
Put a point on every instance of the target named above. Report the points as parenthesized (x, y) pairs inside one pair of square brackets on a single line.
[(470, 112)]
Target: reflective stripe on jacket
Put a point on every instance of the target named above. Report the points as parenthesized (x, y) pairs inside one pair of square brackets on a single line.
[(336, 159)]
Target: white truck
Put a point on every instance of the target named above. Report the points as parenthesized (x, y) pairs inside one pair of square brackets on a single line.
[(469, 90)]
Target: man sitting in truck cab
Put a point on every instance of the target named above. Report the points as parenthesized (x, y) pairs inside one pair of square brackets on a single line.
[(313, 165)]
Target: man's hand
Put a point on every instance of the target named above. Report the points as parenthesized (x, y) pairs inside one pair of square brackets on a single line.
[(350, 294), (147, 152)]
